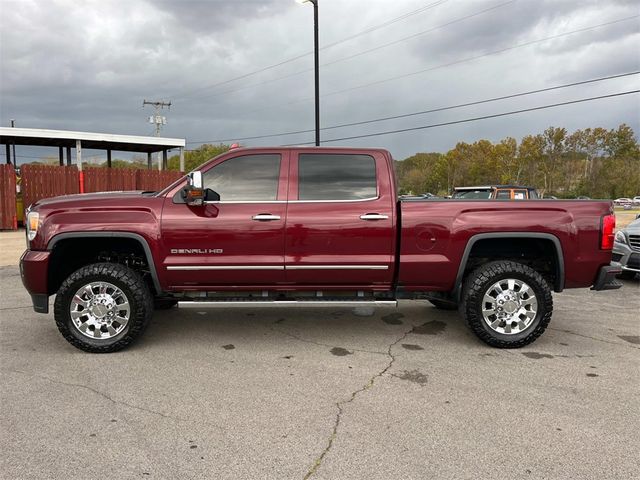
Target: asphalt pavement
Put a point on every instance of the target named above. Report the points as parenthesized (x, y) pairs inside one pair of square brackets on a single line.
[(405, 393)]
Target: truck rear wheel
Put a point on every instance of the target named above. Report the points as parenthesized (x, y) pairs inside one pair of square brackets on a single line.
[(507, 304), (103, 307)]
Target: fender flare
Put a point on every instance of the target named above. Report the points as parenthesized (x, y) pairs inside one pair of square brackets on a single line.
[(110, 234), (559, 283)]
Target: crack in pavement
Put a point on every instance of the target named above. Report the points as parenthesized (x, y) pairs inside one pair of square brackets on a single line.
[(15, 308), (273, 329), (340, 405), (593, 338), (97, 392)]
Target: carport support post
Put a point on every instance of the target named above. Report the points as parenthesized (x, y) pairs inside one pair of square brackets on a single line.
[(148, 160), (79, 155), (164, 159), (69, 156), (108, 158), (60, 157), (182, 159), (8, 154), (79, 164)]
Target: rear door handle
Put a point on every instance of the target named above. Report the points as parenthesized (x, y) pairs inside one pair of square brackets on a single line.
[(373, 216), (265, 217)]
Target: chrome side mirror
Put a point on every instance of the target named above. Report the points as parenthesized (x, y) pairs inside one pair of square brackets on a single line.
[(195, 179), (194, 193)]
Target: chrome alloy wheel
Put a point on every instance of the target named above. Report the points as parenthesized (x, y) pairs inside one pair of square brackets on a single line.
[(509, 306), (100, 310)]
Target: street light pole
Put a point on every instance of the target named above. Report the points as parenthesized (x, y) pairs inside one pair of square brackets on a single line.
[(316, 55)]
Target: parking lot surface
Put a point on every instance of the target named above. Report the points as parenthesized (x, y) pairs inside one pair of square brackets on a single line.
[(324, 393)]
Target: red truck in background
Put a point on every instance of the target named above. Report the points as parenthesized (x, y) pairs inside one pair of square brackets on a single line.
[(311, 227)]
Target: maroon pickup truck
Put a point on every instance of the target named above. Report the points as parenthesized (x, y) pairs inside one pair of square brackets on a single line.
[(307, 227)]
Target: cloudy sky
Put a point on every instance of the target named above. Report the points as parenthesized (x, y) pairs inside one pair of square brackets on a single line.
[(88, 65)]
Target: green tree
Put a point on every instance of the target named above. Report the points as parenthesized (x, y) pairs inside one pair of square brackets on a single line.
[(507, 162), (194, 158), (419, 173), (596, 162)]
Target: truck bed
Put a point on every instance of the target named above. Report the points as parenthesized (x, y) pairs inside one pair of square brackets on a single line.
[(436, 233)]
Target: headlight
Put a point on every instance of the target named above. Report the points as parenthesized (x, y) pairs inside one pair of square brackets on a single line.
[(620, 237), (33, 222)]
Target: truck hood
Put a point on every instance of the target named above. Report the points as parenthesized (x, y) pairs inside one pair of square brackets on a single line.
[(137, 212), (82, 199)]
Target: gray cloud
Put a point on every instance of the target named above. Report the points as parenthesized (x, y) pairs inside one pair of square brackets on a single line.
[(89, 67), (205, 16)]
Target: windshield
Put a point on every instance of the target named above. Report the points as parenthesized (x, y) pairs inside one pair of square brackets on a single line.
[(473, 194)]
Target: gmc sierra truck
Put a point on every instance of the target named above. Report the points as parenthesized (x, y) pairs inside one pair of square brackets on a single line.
[(315, 226)]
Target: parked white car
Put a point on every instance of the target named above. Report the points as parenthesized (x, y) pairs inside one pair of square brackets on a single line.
[(623, 201)]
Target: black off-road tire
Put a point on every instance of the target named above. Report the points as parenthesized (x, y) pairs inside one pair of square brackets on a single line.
[(133, 286), (482, 279), (442, 305)]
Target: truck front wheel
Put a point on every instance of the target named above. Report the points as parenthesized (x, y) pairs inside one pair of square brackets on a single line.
[(103, 307), (506, 304)]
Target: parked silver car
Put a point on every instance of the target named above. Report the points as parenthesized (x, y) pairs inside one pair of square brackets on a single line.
[(626, 250)]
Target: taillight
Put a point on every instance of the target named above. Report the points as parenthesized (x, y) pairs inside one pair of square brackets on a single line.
[(607, 231)]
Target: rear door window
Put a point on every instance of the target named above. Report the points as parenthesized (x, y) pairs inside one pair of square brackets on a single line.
[(336, 177), (503, 195)]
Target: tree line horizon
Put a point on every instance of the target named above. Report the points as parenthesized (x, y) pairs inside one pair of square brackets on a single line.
[(596, 162)]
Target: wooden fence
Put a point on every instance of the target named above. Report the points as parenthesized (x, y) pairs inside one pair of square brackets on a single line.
[(156, 179), (109, 179), (8, 219), (43, 181)]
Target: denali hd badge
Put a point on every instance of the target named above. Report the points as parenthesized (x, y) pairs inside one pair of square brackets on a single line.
[(195, 251)]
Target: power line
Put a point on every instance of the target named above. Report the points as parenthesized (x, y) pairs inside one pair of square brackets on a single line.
[(433, 29), (445, 65), (329, 45), (364, 52), (385, 24), (422, 112), (474, 119), (494, 52)]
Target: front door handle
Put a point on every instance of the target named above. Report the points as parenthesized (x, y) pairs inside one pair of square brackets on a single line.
[(265, 217), (373, 216)]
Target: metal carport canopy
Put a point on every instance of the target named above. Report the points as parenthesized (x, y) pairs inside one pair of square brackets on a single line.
[(97, 141)]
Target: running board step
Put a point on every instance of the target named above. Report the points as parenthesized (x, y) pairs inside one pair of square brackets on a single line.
[(285, 303)]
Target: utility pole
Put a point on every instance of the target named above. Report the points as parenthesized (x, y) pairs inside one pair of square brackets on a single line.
[(158, 120)]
